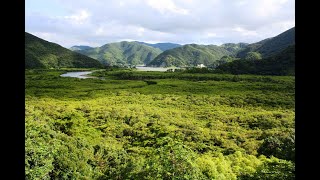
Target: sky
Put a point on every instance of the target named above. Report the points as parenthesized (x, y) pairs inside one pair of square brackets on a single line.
[(98, 22)]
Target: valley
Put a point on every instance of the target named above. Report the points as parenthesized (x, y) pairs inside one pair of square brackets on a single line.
[(225, 112)]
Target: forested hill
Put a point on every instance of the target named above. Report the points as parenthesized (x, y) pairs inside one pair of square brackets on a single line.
[(161, 46), (234, 48), (123, 53), (40, 53), (271, 46), (282, 63), (193, 54)]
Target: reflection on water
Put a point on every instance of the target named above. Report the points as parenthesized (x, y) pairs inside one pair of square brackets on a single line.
[(81, 75)]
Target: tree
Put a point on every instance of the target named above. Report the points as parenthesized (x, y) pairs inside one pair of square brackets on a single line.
[(273, 169), (279, 146), (253, 56), (225, 59), (172, 160)]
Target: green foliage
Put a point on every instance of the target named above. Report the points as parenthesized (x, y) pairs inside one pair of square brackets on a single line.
[(122, 53), (282, 147), (172, 160), (225, 59), (43, 54), (158, 125), (273, 169), (41, 147), (194, 70)]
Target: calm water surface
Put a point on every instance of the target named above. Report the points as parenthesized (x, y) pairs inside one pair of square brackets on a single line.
[(84, 74), (81, 75)]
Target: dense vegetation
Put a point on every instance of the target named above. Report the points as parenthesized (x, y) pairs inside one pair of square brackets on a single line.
[(159, 125), (191, 55), (43, 54), (253, 56), (161, 46), (234, 48), (122, 53), (271, 46), (282, 63)]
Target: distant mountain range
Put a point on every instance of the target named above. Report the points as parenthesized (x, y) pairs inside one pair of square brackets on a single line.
[(162, 46), (44, 54), (81, 47), (191, 55), (40, 53), (122, 53), (125, 53), (134, 53)]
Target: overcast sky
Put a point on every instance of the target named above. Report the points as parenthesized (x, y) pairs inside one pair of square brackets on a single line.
[(97, 22)]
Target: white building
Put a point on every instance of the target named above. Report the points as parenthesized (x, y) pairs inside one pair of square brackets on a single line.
[(200, 66)]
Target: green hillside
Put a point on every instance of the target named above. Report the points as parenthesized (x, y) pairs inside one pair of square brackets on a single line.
[(162, 46), (122, 53), (190, 55), (43, 54), (282, 63), (271, 46), (234, 48)]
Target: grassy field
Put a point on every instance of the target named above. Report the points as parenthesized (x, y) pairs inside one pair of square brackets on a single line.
[(159, 125)]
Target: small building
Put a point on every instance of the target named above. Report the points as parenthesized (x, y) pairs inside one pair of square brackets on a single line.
[(200, 66)]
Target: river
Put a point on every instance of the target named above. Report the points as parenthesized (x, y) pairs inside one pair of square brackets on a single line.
[(81, 75), (84, 74)]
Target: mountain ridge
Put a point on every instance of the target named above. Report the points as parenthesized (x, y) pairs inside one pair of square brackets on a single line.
[(40, 53), (162, 46), (194, 54), (282, 63), (122, 53), (271, 46), (80, 47)]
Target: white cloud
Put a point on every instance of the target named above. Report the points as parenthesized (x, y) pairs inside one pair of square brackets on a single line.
[(179, 21), (140, 30), (165, 6), (266, 8), (211, 35), (78, 18), (245, 32), (121, 3)]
